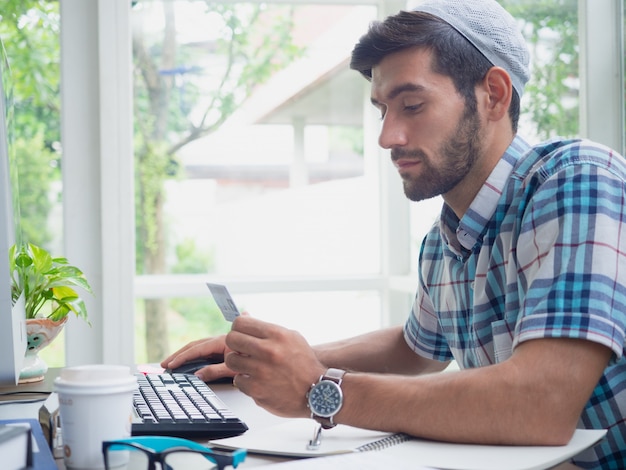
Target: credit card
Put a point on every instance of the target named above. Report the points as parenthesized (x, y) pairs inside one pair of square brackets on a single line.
[(224, 301)]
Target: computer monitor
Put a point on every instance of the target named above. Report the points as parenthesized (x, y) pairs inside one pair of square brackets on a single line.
[(12, 317)]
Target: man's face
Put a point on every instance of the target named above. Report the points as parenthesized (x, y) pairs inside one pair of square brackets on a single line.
[(433, 137)]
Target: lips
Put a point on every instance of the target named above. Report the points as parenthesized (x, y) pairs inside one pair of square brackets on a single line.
[(404, 164)]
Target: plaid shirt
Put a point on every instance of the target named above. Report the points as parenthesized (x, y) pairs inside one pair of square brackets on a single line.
[(539, 254)]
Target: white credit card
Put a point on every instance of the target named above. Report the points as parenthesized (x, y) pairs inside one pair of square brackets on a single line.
[(224, 301)]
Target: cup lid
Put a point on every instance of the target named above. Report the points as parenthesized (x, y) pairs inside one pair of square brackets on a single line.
[(95, 374)]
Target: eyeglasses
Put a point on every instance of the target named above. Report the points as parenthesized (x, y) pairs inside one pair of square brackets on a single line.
[(171, 453)]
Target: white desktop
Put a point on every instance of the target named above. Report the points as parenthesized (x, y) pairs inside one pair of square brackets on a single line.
[(412, 455)]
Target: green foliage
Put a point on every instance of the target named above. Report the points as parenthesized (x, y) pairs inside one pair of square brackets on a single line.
[(29, 30), (150, 172), (36, 172), (551, 97), (46, 281)]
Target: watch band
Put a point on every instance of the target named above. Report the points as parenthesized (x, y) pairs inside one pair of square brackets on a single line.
[(336, 375)]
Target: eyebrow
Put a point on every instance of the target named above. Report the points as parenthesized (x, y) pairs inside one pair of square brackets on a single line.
[(412, 87)]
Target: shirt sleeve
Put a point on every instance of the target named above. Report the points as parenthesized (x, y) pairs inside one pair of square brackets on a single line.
[(572, 258)]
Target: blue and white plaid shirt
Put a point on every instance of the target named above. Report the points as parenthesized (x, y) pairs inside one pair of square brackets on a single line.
[(541, 253)]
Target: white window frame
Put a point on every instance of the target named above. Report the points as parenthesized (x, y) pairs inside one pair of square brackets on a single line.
[(98, 195), (601, 58), (96, 95)]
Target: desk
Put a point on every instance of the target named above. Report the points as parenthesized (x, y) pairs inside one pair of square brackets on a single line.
[(243, 406), (253, 415)]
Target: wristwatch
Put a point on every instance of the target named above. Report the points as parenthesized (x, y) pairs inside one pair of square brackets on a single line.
[(326, 397)]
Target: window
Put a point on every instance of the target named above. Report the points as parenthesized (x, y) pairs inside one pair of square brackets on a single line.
[(98, 179), (253, 169)]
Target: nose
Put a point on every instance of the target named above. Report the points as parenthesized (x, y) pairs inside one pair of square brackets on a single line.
[(392, 134)]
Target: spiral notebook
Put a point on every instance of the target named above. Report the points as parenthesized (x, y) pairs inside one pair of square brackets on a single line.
[(290, 439)]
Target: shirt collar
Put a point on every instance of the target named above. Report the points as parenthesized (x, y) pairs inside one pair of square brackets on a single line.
[(464, 234)]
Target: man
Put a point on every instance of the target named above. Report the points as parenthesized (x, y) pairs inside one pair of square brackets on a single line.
[(522, 281)]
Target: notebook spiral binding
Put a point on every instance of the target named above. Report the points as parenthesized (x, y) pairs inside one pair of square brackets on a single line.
[(385, 442)]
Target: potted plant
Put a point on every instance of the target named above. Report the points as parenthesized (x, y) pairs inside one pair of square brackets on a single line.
[(49, 287)]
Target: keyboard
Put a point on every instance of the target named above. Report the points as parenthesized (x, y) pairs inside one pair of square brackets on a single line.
[(181, 405)]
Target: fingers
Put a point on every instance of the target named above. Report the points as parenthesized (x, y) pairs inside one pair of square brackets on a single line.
[(252, 326), (273, 365), (214, 372), (241, 381), (165, 362), (199, 348), (256, 347), (261, 343), (196, 349)]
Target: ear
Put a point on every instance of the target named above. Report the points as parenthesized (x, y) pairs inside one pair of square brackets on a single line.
[(498, 93)]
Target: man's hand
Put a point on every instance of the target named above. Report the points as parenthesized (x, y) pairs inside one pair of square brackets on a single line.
[(275, 366), (201, 348)]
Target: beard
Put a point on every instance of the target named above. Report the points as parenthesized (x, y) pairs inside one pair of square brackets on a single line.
[(460, 153)]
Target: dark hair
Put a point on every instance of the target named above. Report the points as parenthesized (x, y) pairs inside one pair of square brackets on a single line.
[(453, 55)]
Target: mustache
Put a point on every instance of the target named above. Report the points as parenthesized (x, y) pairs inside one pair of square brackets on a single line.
[(397, 154)]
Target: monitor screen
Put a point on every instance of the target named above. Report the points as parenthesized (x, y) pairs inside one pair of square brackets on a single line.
[(12, 316)]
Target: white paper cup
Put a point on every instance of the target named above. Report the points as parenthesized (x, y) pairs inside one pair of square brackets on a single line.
[(95, 403)]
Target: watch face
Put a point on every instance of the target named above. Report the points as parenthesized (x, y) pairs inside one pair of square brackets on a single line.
[(325, 398)]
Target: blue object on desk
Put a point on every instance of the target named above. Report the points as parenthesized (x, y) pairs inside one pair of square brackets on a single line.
[(42, 455)]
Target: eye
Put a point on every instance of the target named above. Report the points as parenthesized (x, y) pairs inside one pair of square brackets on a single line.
[(413, 108)]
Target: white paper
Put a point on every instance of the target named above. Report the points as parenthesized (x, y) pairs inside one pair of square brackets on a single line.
[(356, 461)]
